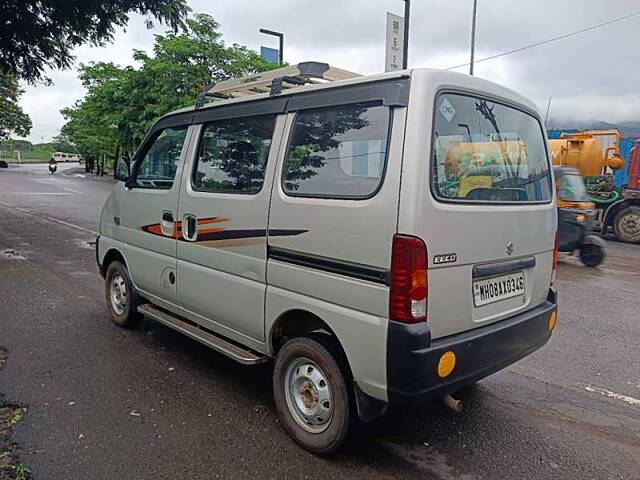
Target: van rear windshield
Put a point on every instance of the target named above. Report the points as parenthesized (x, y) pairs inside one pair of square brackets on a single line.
[(484, 151)]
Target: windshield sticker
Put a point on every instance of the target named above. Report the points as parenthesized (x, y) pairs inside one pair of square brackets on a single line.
[(447, 110)]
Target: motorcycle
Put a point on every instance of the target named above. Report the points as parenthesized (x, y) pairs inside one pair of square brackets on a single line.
[(53, 167)]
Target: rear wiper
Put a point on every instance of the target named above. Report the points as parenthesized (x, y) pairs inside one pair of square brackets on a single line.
[(531, 179)]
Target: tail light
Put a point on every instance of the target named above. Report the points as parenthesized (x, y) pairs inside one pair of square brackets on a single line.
[(555, 260), (409, 286)]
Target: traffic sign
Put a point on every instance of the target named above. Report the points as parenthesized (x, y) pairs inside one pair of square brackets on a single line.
[(395, 41)]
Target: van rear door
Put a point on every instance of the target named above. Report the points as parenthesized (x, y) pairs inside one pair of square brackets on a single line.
[(487, 217)]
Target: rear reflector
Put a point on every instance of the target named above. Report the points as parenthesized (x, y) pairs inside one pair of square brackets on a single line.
[(446, 364), (409, 286)]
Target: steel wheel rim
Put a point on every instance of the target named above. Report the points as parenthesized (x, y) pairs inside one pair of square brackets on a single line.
[(631, 224), (308, 395), (118, 294)]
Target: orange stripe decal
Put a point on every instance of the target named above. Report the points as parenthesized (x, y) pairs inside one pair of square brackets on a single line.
[(207, 221)]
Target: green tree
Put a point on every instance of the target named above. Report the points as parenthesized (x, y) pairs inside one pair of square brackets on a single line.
[(62, 143), (13, 121), (122, 103), (36, 34), (91, 125)]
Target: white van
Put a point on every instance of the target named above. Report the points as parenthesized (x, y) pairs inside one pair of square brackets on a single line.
[(61, 157), (385, 238), (66, 157)]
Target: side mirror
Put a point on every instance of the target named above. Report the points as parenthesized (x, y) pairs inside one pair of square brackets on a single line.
[(122, 170)]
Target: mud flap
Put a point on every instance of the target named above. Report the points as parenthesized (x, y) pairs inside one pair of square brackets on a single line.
[(369, 408)]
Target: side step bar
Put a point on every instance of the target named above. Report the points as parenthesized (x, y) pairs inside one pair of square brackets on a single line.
[(206, 337)]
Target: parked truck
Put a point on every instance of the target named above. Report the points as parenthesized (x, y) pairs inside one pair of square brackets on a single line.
[(618, 206)]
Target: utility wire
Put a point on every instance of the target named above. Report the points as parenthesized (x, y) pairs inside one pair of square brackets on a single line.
[(543, 42)]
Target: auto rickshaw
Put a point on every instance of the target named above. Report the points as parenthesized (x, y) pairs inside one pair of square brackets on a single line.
[(576, 216)]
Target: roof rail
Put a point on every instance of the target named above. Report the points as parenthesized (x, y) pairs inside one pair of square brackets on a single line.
[(275, 81)]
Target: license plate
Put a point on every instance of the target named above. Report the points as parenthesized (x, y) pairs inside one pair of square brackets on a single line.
[(498, 288)]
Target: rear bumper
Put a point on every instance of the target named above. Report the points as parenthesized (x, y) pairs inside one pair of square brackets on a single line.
[(412, 358)]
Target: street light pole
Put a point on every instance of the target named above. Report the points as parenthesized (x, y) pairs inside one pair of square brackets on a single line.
[(407, 11), (281, 39), (473, 35)]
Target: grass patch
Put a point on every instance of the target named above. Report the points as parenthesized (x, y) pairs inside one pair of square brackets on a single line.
[(9, 470), (9, 416)]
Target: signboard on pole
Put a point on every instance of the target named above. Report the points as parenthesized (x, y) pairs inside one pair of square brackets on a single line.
[(271, 55), (395, 42)]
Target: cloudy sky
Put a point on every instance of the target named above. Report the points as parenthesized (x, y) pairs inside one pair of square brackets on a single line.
[(591, 76)]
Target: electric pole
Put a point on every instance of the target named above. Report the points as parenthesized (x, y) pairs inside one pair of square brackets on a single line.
[(546, 117)]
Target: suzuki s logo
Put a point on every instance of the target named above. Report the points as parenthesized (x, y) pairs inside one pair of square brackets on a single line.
[(446, 258), (509, 248)]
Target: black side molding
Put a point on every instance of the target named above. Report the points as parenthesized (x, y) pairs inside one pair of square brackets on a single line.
[(341, 267), (493, 269), (98, 255)]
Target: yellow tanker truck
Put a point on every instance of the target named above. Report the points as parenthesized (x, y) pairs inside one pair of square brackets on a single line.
[(618, 209)]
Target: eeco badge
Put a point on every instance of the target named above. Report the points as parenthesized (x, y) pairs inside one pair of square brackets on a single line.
[(445, 258)]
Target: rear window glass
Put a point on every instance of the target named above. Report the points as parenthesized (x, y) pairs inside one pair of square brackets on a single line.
[(485, 151), (337, 152)]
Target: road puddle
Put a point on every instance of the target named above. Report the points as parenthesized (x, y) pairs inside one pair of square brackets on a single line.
[(11, 254)]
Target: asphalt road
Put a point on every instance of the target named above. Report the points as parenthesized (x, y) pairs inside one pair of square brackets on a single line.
[(108, 403)]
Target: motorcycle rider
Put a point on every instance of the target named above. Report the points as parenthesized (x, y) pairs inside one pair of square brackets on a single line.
[(53, 165)]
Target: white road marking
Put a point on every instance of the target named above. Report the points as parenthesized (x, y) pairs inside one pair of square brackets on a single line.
[(610, 394), (51, 219), (71, 190), (40, 193)]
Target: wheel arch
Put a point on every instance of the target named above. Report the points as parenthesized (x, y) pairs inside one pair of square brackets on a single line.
[(296, 322), (113, 254)]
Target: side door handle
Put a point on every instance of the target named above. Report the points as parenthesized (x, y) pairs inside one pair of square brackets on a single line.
[(167, 224), (190, 228)]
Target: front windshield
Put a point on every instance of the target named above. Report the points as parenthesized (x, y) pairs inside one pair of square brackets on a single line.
[(572, 189), (485, 151)]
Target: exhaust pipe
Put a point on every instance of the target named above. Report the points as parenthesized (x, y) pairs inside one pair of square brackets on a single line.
[(452, 403)]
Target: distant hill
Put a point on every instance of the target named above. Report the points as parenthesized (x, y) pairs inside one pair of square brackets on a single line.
[(626, 129)]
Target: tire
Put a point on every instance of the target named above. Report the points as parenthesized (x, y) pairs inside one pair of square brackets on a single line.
[(122, 299), (591, 255), (308, 381), (626, 225)]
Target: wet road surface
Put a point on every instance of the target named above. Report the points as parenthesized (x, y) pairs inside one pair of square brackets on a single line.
[(106, 403)]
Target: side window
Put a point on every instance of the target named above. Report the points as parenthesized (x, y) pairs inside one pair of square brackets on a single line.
[(158, 166), (233, 154), (337, 152)]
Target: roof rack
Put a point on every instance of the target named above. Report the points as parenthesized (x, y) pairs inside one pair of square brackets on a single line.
[(275, 81)]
